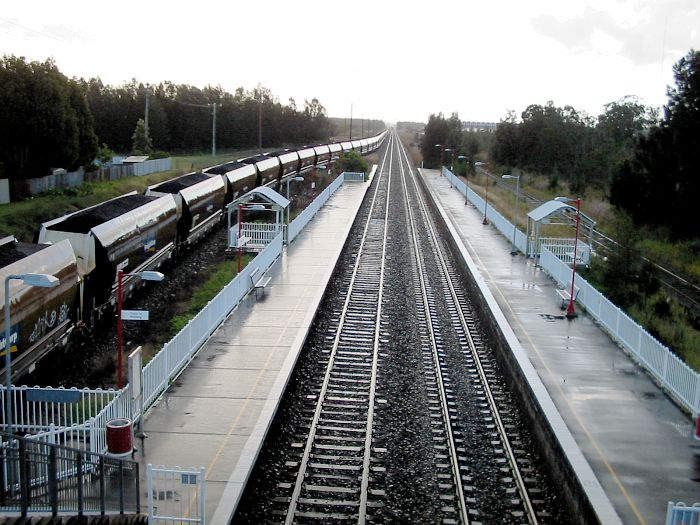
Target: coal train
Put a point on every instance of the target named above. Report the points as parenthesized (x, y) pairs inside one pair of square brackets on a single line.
[(132, 233)]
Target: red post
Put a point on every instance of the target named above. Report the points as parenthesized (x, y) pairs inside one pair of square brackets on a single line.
[(571, 310), (238, 241), (697, 427), (119, 329)]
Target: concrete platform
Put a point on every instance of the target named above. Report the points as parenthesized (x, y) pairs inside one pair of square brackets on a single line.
[(216, 413), (635, 439)]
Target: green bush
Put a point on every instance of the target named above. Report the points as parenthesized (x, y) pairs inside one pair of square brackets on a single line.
[(159, 155)]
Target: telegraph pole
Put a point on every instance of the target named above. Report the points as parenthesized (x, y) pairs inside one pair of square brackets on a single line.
[(148, 96), (213, 131), (350, 121), (260, 125)]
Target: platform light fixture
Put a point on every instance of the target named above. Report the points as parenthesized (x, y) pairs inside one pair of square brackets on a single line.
[(466, 178), (40, 280), (146, 275), (442, 153)]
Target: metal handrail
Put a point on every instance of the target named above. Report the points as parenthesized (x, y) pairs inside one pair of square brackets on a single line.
[(48, 478)]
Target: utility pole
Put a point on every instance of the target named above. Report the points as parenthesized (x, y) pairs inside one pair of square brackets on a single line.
[(148, 96), (260, 125), (350, 121), (213, 131)]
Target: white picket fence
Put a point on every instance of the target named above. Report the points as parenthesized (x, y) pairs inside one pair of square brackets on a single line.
[(499, 221), (305, 216), (79, 418), (563, 248), (181, 349), (255, 234), (681, 381)]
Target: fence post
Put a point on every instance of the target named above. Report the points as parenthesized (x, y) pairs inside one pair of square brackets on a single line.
[(137, 478), (23, 476), (79, 467), (638, 350), (102, 486), (53, 481), (149, 491), (696, 404), (121, 487), (202, 496)]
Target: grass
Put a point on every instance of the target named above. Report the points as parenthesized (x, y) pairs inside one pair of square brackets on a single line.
[(215, 279), (22, 219)]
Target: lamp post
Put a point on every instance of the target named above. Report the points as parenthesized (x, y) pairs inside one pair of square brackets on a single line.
[(242, 207), (146, 275), (571, 309), (513, 250), (442, 153), (290, 179), (486, 205), (466, 179), (41, 280), (452, 164)]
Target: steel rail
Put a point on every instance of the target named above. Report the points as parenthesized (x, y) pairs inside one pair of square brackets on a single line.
[(454, 458), (530, 511), (304, 463)]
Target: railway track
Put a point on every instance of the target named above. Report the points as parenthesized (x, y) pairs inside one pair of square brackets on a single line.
[(405, 417)]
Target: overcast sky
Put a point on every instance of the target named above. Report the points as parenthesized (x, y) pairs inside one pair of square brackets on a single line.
[(391, 60)]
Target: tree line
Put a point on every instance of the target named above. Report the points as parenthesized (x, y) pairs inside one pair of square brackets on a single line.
[(53, 121), (648, 166)]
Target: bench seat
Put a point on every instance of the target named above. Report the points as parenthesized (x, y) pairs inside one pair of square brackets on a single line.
[(565, 295), (259, 283)]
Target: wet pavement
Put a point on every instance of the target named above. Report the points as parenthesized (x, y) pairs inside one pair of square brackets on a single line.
[(216, 413), (635, 439)]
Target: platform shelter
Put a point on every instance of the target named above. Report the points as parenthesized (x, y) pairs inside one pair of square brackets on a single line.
[(264, 205), (548, 219)]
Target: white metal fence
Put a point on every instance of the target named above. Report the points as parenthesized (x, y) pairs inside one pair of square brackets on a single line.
[(499, 221), (563, 249), (176, 495), (353, 176), (681, 381), (78, 418), (255, 233), (305, 216), (680, 514), (181, 349)]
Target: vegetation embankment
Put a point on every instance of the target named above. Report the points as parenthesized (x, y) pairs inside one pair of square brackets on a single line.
[(212, 282), (637, 176)]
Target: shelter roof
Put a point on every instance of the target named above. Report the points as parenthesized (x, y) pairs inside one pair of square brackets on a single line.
[(265, 194), (555, 208)]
